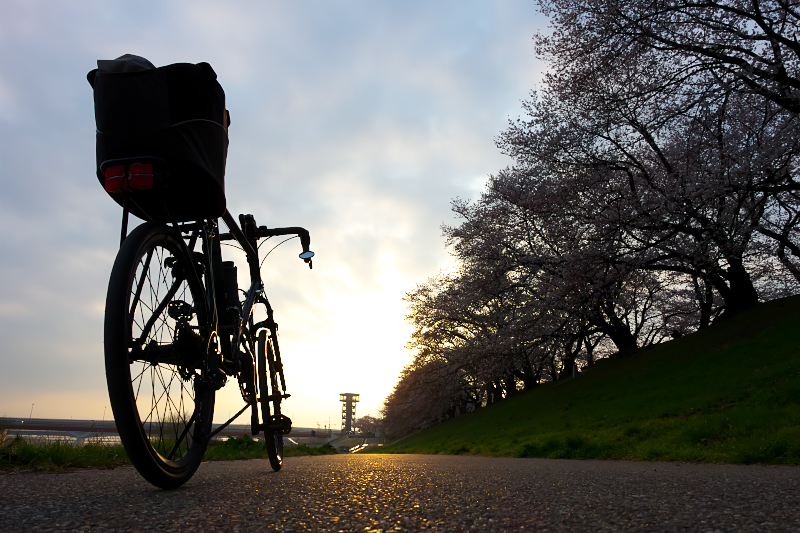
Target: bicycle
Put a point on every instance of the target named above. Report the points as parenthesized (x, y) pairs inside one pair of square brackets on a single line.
[(175, 327)]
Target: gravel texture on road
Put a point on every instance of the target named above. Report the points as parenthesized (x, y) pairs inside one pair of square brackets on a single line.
[(412, 493)]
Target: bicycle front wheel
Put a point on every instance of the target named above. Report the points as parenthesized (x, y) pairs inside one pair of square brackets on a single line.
[(155, 355)]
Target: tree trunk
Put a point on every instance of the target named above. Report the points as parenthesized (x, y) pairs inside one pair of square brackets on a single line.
[(498, 390), (589, 352), (705, 300), (739, 293), (553, 369), (490, 393), (622, 338), (570, 354), (791, 267), (528, 377), (510, 385), (566, 368), (619, 332)]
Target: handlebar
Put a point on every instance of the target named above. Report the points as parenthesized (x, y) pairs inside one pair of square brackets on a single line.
[(263, 231), (305, 238)]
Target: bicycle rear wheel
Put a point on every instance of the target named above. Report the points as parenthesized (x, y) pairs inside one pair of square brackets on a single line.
[(155, 355), (273, 440)]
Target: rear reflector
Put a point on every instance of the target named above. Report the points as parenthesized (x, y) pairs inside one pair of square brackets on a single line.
[(140, 177), (115, 178)]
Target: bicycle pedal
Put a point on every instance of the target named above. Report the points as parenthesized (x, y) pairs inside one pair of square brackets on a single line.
[(279, 425)]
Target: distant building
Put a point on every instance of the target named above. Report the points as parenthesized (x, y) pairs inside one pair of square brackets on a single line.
[(349, 401)]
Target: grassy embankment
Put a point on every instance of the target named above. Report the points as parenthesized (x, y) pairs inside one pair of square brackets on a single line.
[(16, 454), (729, 393)]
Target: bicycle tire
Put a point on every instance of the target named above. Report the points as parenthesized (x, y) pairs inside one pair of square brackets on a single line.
[(149, 286), (272, 441)]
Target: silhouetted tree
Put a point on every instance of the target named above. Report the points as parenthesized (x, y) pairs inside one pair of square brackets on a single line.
[(653, 190)]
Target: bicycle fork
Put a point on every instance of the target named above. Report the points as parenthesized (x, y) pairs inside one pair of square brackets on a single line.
[(272, 384)]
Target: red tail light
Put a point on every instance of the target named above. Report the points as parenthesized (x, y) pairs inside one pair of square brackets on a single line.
[(115, 179), (140, 177)]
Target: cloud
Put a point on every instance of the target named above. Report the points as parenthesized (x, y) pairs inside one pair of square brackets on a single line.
[(358, 120)]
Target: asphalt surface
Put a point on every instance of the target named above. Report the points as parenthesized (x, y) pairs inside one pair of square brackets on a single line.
[(412, 493)]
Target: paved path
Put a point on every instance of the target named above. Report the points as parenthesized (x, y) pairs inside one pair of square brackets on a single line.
[(412, 493)]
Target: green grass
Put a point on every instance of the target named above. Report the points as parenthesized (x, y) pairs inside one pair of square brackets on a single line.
[(729, 393), (21, 454)]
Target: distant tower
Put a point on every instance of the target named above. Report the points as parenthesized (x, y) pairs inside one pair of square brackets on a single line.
[(349, 401)]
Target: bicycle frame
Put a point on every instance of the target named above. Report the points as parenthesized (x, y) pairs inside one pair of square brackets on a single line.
[(228, 361)]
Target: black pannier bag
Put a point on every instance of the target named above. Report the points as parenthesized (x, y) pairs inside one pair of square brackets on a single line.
[(162, 139)]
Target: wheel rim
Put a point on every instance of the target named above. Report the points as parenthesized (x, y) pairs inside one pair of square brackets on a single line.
[(161, 371)]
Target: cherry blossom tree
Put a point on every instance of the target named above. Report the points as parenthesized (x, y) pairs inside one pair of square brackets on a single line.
[(682, 194), (368, 424), (425, 395), (744, 44), (653, 191)]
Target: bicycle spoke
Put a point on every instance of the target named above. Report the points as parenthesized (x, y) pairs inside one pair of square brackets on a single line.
[(153, 400), (139, 286), (173, 415), (167, 387), (140, 377), (158, 310), (183, 435)]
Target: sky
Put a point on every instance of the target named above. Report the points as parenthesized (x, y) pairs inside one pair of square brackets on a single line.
[(359, 120)]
